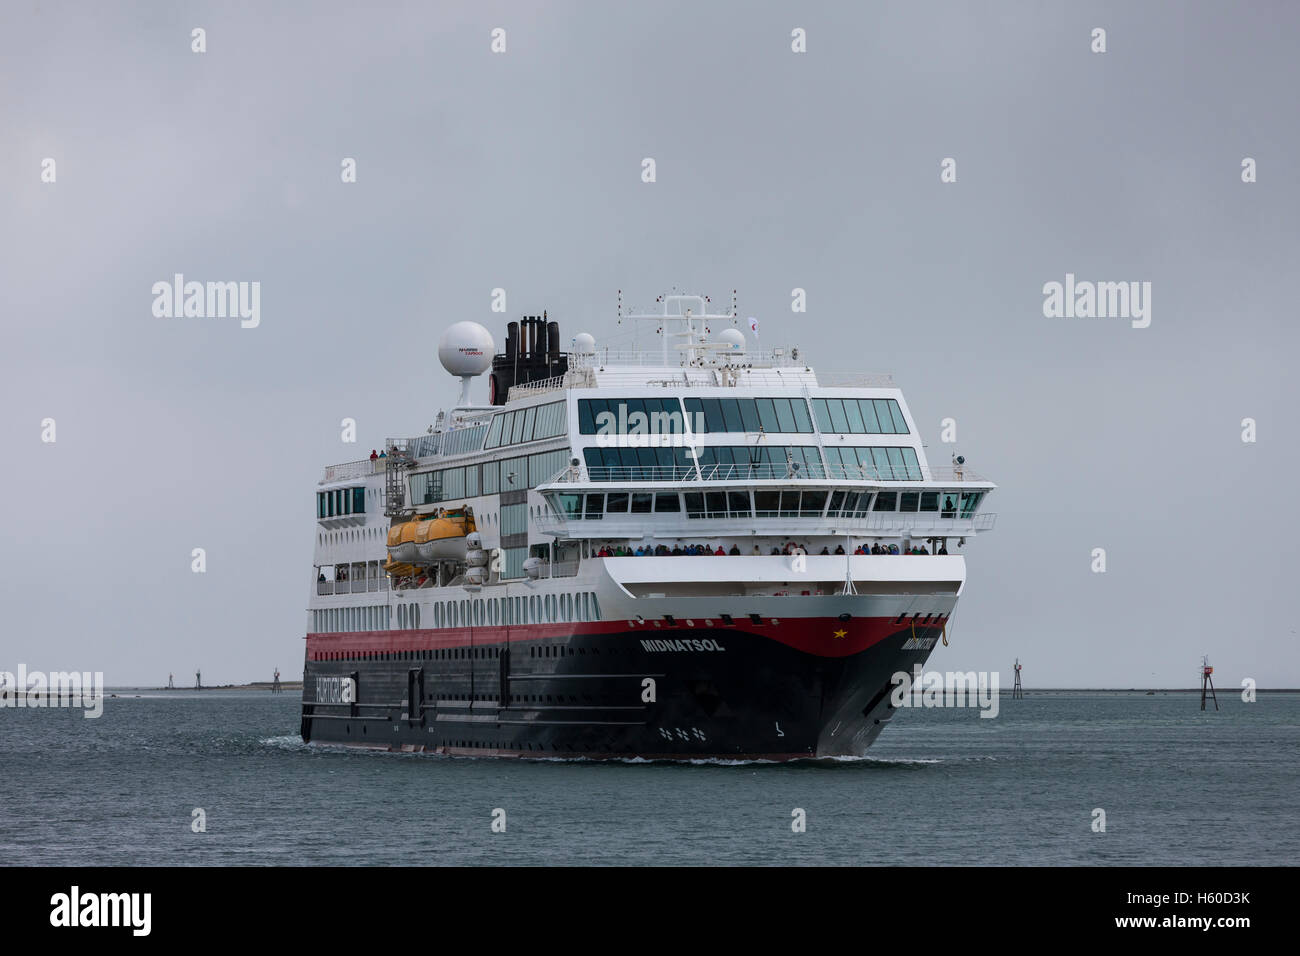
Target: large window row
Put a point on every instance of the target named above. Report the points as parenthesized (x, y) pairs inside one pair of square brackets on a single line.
[(332, 620), (596, 506), (526, 424), (638, 464), (340, 501), (461, 440), (721, 462), (508, 611), (881, 464), (489, 478), (784, 503), (717, 504), (859, 416), (630, 416), (771, 415), (949, 504)]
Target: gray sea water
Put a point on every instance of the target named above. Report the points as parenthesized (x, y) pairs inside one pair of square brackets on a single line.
[(939, 787)]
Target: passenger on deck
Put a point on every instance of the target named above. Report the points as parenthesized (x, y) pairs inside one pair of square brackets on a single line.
[(321, 576), (383, 454), (827, 551), (374, 455), (734, 550), (943, 549), (757, 553), (677, 549), (720, 553), (839, 549), (893, 549), (776, 550)]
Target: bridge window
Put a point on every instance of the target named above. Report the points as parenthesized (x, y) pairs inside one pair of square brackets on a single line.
[(969, 502), (641, 502), (908, 500), (617, 502), (738, 504), (630, 416), (666, 503), (929, 501), (886, 501), (772, 415), (871, 416), (766, 503), (812, 503)]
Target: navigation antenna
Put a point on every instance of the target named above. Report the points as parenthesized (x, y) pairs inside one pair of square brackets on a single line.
[(691, 313)]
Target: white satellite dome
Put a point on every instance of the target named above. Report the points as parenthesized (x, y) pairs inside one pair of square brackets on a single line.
[(734, 339), (584, 344), (466, 349)]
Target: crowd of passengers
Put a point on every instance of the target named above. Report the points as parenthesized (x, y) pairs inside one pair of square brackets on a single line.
[(662, 550)]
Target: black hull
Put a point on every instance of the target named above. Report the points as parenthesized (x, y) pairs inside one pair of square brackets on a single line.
[(683, 693)]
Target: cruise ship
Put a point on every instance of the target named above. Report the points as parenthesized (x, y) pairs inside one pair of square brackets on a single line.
[(697, 550)]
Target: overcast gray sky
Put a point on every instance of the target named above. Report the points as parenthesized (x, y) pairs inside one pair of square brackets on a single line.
[(775, 170)]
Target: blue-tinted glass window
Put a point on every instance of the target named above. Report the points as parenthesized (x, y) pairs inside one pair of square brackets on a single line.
[(839, 422), (823, 414), (802, 422), (900, 423), (854, 415), (713, 415), (896, 464), (784, 417), (731, 414), (867, 409)]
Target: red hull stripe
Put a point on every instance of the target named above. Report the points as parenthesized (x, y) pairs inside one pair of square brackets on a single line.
[(823, 636)]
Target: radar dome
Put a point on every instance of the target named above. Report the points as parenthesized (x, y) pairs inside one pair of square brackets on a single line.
[(584, 344), (734, 339), (466, 349)]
